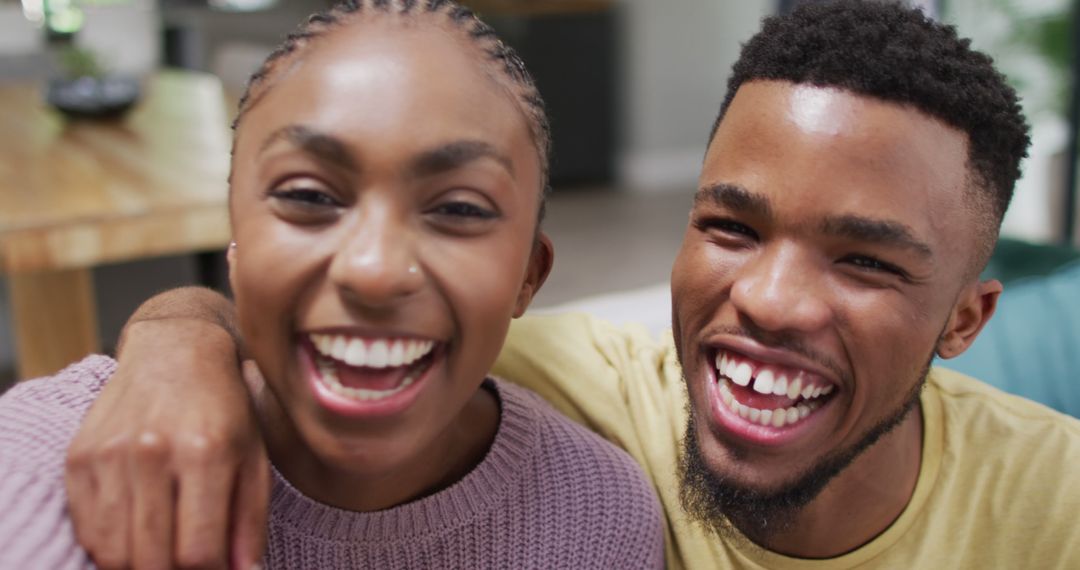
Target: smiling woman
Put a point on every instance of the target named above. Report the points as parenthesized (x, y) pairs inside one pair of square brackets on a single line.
[(386, 191)]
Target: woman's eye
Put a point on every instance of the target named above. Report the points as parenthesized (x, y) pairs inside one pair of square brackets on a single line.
[(464, 210), (305, 196)]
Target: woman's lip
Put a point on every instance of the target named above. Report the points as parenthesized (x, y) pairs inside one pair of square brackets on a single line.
[(343, 405), (744, 431)]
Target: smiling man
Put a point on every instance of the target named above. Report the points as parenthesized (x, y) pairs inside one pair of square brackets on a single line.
[(851, 193)]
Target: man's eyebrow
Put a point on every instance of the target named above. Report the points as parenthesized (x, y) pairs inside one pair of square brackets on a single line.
[(456, 154), (319, 145), (884, 232), (735, 197)]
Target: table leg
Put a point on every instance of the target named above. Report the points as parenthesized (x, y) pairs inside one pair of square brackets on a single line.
[(55, 320)]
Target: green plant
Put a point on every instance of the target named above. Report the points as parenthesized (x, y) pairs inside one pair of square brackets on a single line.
[(78, 62)]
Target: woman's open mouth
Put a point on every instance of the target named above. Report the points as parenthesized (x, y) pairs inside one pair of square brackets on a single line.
[(367, 375)]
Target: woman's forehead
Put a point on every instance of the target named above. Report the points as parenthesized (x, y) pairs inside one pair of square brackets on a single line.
[(371, 83)]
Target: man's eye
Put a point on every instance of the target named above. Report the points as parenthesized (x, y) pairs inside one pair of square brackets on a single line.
[(726, 226), (464, 210), (868, 263)]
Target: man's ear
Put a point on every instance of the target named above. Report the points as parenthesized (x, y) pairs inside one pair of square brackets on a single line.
[(973, 310), (540, 261)]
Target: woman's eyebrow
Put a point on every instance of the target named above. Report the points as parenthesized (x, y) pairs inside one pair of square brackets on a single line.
[(453, 155), (319, 145)]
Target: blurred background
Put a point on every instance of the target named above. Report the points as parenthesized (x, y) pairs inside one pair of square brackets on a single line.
[(632, 86)]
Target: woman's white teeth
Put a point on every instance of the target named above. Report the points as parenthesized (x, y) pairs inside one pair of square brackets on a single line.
[(776, 418), (378, 353), (329, 377)]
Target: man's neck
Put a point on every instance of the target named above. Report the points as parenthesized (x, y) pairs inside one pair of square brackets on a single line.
[(862, 501)]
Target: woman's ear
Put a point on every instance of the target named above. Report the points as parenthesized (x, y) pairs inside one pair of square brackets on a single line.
[(540, 262), (230, 258), (972, 311)]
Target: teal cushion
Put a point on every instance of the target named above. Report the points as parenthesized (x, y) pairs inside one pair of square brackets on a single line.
[(1031, 347)]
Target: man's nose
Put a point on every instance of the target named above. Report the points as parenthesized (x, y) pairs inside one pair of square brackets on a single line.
[(781, 291), (377, 264)]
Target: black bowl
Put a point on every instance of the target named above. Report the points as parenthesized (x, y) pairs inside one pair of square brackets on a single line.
[(93, 97)]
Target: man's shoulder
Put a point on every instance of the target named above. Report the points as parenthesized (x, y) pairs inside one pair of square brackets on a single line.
[(966, 399), (1007, 471)]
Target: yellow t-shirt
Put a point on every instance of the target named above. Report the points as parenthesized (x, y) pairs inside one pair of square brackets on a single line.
[(998, 486)]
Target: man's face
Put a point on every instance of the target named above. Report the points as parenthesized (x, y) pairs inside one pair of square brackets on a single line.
[(826, 253)]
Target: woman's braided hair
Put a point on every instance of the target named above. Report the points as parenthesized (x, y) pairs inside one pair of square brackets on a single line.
[(502, 57)]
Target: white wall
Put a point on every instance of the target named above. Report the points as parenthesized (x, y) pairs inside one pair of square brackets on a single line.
[(676, 58), (1035, 213)]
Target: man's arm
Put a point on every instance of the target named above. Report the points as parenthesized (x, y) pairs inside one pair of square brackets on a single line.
[(197, 304), (154, 474)]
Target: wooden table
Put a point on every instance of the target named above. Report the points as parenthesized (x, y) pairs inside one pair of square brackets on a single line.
[(76, 194)]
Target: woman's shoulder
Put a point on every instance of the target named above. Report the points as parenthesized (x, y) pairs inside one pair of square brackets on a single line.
[(39, 417), (562, 440), (597, 493)]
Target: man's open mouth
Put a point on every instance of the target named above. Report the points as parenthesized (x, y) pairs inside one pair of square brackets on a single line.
[(369, 369), (768, 394)]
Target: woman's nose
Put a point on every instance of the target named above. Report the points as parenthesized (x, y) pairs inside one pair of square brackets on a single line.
[(377, 263)]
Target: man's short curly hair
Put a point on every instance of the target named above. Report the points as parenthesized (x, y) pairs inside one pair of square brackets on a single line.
[(897, 54)]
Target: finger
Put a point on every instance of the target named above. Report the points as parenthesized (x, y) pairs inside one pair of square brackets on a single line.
[(82, 492), (205, 494), (111, 527), (152, 499), (253, 377), (249, 513)]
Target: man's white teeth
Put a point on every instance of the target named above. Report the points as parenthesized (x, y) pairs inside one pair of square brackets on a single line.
[(379, 353), (329, 377), (767, 381), (780, 386), (742, 374), (764, 382), (794, 387), (776, 418)]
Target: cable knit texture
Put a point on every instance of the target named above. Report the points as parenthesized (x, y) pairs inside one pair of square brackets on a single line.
[(549, 494)]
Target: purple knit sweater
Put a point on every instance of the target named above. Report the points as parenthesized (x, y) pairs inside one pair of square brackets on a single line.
[(549, 494)]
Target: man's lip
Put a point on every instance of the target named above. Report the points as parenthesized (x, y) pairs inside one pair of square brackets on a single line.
[(767, 355)]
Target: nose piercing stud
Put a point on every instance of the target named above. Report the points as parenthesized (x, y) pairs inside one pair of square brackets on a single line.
[(414, 269), (232, 245)]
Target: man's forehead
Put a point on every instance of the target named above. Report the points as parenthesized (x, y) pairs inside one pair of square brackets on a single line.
[(857, 133), (825, 153)]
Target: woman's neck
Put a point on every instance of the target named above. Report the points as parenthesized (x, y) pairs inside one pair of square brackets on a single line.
[(445, 461)]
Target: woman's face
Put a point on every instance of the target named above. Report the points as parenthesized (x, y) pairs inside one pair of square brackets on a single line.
[(385, 198)]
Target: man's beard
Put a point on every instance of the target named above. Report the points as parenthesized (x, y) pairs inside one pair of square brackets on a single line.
[(729, 508)]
